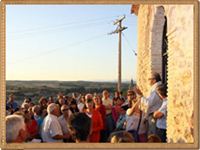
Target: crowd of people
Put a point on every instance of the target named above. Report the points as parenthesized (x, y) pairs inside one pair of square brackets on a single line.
[(92, 118)]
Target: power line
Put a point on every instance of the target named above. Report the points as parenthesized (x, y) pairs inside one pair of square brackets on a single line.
[(129, 44), (60, 25), (59, 48), (29, 33), (63, 24), (19, 37)]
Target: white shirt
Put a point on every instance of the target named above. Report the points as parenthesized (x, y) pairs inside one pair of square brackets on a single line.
[(89, 115), (63, 124), (81, 106), (50, 128), (106, 103), (132, 123), (153, 102), (161, 122)]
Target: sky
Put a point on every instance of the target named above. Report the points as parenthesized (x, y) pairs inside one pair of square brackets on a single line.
[(69, 42)]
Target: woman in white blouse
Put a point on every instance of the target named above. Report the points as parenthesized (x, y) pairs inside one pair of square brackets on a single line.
[(135, 122)]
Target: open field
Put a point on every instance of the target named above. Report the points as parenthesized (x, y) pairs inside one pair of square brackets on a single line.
[(36, 89)]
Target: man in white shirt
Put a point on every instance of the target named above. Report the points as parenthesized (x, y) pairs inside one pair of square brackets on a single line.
[(161, 113), (51, 129), (107, 102), (152, 102)]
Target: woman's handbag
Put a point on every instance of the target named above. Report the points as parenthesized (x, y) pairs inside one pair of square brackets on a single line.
[(138, 128)]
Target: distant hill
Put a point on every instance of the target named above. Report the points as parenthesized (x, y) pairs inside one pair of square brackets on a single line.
[(36, 89)]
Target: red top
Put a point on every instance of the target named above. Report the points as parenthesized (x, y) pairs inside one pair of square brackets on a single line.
[(116, 112), (102, 110), (32, 128), (97, 126)]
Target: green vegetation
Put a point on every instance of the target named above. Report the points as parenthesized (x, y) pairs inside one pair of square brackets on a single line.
[(36, 89)]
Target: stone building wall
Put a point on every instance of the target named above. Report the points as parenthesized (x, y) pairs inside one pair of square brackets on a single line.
[(180, 73), (150, 24), (144, 63), (180, 63)]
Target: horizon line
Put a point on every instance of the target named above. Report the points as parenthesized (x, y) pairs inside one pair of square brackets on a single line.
[(76, 80)]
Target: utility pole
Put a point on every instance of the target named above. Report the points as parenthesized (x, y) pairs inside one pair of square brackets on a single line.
[(119, 30)]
